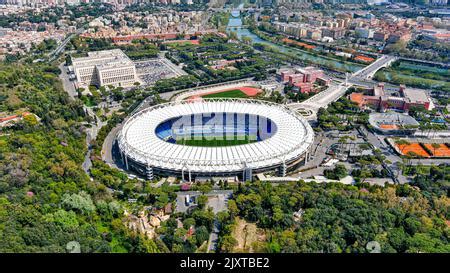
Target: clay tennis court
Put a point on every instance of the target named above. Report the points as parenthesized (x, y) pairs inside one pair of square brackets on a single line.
[(388, 126), (441, 151), (412, 148)]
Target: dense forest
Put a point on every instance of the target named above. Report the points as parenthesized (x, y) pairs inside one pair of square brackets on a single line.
[(341, 218), (46, 199)]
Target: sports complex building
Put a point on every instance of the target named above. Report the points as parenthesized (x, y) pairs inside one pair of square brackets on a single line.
[(214, 138)]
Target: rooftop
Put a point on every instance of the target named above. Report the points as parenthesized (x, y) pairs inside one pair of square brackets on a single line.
[(103, 59), (138, 139), (415, 95), (391, 120)]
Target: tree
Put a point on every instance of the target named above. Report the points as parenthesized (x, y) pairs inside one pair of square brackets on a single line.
[(398, 239), (202, 200), (246, 40), (188, 222), (232, 208), (31, 120), (228, 243), (205, 188), (68, 60), (365, 173), (80, 202), (204, 218), (339, 172), (67, 219), (162, 200), (343, 140), (435, 146), (201, 234), (233, 35)]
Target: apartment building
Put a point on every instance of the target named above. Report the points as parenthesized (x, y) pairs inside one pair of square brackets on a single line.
[(107, 67), (303, 78)]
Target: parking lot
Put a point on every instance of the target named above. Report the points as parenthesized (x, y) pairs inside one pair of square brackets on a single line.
[(152, 70), (217, 200)]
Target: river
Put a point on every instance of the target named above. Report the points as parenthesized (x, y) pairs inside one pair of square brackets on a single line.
[(235, 24)]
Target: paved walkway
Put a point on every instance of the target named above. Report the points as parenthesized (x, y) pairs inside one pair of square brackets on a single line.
[(213, 238), (321, 100)]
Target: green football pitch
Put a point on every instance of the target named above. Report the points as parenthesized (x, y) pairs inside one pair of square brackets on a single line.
[(217, 142), (236, 93)]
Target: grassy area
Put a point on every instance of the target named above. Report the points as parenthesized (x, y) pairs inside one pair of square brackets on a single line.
[(387, 75), (415, 75), (416, 67), (293, 52), (236, 93), (213, 142)]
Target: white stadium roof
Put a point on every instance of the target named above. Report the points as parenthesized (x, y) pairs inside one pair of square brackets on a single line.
[(138, 139)]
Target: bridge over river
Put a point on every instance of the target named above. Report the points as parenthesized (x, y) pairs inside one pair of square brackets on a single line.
[(311, 106)]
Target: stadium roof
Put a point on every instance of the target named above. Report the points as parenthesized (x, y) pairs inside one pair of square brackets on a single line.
[(139, 141)]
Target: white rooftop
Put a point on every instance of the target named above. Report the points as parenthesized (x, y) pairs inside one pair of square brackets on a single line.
[(415, 95), (103, 59), (139, 141)]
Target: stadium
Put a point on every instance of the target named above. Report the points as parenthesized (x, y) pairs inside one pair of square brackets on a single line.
[(214, 138)]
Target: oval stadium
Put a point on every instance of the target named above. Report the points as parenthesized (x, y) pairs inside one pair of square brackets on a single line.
[(214, 138)]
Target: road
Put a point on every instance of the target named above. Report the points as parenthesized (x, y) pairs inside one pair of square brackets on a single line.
[(213, 237), (392, 159), (328, 45), (107, 146), (108, 143), (96, 125), (68, 85), (337, 88), (91, 134), (322, 143), (318, 150), (54, 54), (425, 62), (369, 71)]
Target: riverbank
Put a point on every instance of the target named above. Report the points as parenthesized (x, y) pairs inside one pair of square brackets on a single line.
[(311, 57), (235, 24), (421, 76)]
